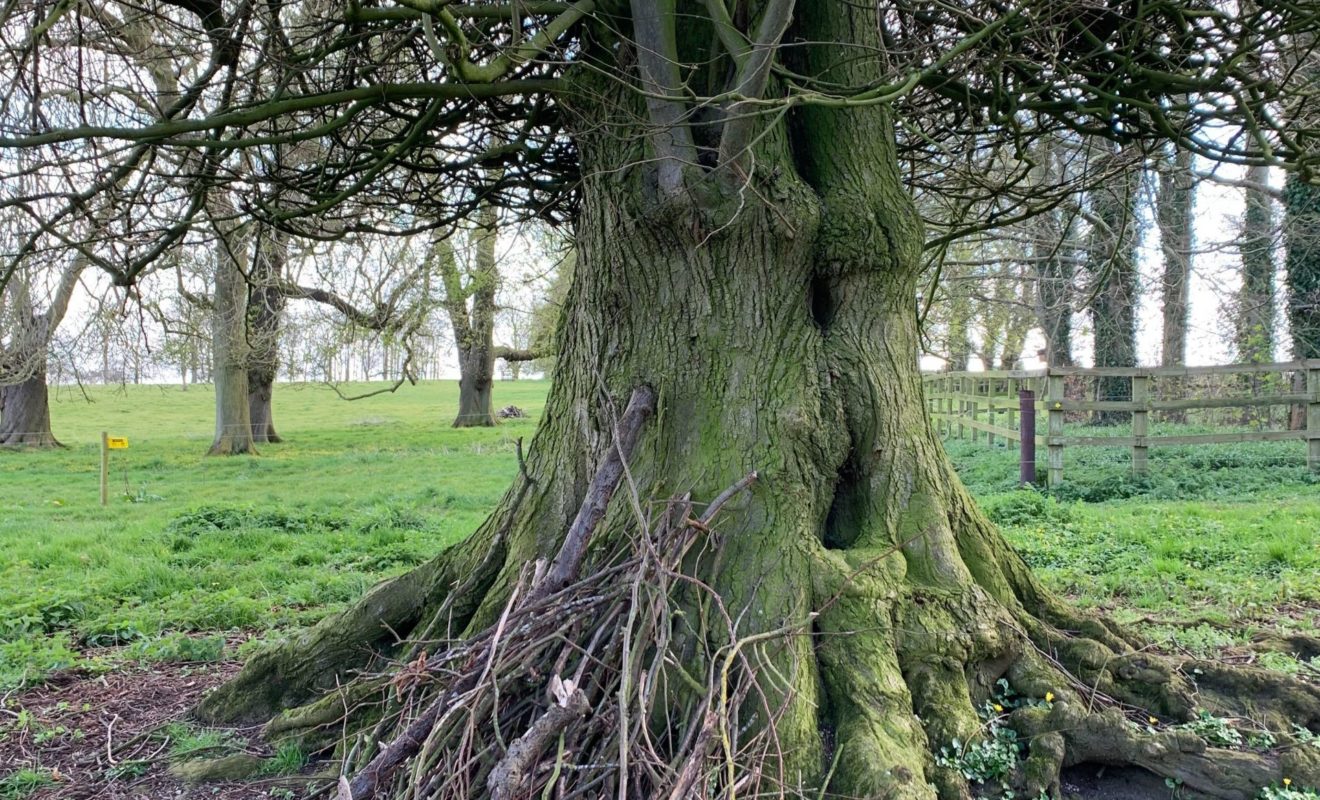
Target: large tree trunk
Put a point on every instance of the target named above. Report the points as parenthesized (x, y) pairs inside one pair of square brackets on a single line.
[(229, 346), (476, 405), (1112, 261), (777, 330), (265, 314), (25, 413)]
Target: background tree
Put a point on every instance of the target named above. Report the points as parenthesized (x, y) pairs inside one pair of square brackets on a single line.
[(1175, 205), (266, 303), (1254, 309), (471, 308), (1112, 265)]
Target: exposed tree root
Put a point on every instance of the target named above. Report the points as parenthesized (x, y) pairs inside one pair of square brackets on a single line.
[(909, 697)]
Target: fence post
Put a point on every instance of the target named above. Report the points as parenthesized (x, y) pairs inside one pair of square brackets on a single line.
[(940, 403), (973, 408), (1027, 437), (991, 388), (962, 405), (1313, 418), (1013, 386), (1140, 426), (946, 404), (1054, 433)]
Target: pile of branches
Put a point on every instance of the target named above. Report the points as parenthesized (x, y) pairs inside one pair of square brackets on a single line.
[(630, 681)]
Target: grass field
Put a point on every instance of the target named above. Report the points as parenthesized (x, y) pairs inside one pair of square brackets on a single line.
[(1228, 537), (195, 556), (192, 544)]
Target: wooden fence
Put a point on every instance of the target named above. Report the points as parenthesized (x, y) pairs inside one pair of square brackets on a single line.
[(991, 405)]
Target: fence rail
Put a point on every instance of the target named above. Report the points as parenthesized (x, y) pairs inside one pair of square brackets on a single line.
[(997, 402)]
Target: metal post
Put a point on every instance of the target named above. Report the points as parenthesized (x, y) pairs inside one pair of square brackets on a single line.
[(1027, 442), (1313, 419), (1140, 423), (1054, 431)]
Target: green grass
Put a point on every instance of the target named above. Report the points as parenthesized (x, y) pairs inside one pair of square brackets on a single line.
[(192, 549), (190, 544), (1227, 534), (24, 782)]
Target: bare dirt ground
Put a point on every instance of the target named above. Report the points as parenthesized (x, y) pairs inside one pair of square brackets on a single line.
[(103, 737)]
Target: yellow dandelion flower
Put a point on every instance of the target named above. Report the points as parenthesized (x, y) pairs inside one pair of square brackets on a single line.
[(1153, 721), (1049, 697), (998, 707), (1287, 781)]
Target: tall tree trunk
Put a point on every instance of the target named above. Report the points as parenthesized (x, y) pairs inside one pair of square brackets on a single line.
[(1255, 302), (25, 412), (1175, 204), (24, 395), (778, 332), (1302, 237), (1255, 311), (265, 314), (474, 327), (958, 343), (1112, 262), (229, 346), (1053, 261), (1174, 209), (1019, 322)]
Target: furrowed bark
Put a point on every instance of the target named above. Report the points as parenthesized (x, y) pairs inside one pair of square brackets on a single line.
[(25, 413)]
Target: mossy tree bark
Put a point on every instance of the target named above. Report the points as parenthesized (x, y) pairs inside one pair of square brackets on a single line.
[(778, 331), (1302, 237), (1302, 274), (1175, 204), (1255, 302)]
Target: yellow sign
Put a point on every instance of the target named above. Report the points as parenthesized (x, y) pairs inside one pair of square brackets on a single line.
[(116, 442)]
